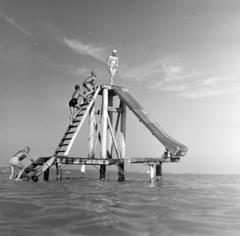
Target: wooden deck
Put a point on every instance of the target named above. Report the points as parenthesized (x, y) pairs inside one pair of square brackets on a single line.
[(100, 161)]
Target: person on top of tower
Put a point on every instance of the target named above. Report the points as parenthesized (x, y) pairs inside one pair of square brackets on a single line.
[(113, 65)]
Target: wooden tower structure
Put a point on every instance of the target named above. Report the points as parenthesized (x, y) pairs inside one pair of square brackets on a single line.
[(107, 131)]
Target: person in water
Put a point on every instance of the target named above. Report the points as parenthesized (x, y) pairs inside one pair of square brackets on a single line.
[(89, 84), (73, 103), (113, 65), (16, 162)]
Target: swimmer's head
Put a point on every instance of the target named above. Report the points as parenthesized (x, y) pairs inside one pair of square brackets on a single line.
[(114, 52), (77, 86), (27, 149)]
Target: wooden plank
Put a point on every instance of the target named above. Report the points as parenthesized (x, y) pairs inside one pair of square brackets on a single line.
[(101, 161)]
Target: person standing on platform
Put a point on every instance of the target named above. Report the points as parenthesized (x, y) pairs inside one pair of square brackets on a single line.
[(113, 65), (16, 162)]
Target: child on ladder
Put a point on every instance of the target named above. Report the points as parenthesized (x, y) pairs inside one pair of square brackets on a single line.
[(89, 84), (73, 103)]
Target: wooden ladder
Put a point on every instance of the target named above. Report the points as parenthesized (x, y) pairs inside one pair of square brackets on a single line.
[(67, 140)]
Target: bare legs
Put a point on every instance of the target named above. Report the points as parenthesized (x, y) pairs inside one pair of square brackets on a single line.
[(12, 169), (113, 73), (74, 114)]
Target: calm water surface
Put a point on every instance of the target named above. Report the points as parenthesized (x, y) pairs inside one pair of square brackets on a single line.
[(82, 205)]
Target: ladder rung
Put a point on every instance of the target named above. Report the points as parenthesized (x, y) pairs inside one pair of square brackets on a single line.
[(62, 145), (71, 132), (60, 151), (73, 126), (66, 139)]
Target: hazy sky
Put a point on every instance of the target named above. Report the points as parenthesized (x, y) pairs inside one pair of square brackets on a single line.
[(179, 59)]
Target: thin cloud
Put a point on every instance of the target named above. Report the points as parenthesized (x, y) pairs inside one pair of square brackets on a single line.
[(12, 22), (81, 48), (171, 76)]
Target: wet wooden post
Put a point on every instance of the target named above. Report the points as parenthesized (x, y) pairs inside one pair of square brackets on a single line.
[(121, 176), (59, 171), (46, 174), (104, 132), (158, 171), (151, 173)]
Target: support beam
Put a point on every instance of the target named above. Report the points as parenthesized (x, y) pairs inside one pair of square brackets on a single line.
[(59, 171), (104, 131), (102, 172), (46, 175), (123, 131), (151, 173), (104, 123), (110, 116), (121, 176), (92, 123)]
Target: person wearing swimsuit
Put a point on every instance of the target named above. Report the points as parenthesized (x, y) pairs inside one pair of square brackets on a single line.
[(113, 65), (89, 84), (15, 162), (73, 103)]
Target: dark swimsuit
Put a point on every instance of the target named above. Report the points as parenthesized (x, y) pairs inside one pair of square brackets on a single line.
[(73, 102)]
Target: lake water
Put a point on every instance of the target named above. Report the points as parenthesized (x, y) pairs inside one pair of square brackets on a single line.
[(181, 204)]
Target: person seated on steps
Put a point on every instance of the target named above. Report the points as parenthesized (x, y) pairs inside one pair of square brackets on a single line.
[(16, 162), (89, 84), (73, 103)]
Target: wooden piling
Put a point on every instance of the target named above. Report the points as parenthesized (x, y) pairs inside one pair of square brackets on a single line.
[(151, 173), (46, 175), (158, 171)]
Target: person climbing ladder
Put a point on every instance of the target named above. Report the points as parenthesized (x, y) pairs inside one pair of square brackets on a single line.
[(73, 103), (89, 84)]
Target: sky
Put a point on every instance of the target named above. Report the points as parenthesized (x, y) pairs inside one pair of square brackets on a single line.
[(178, 58)]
